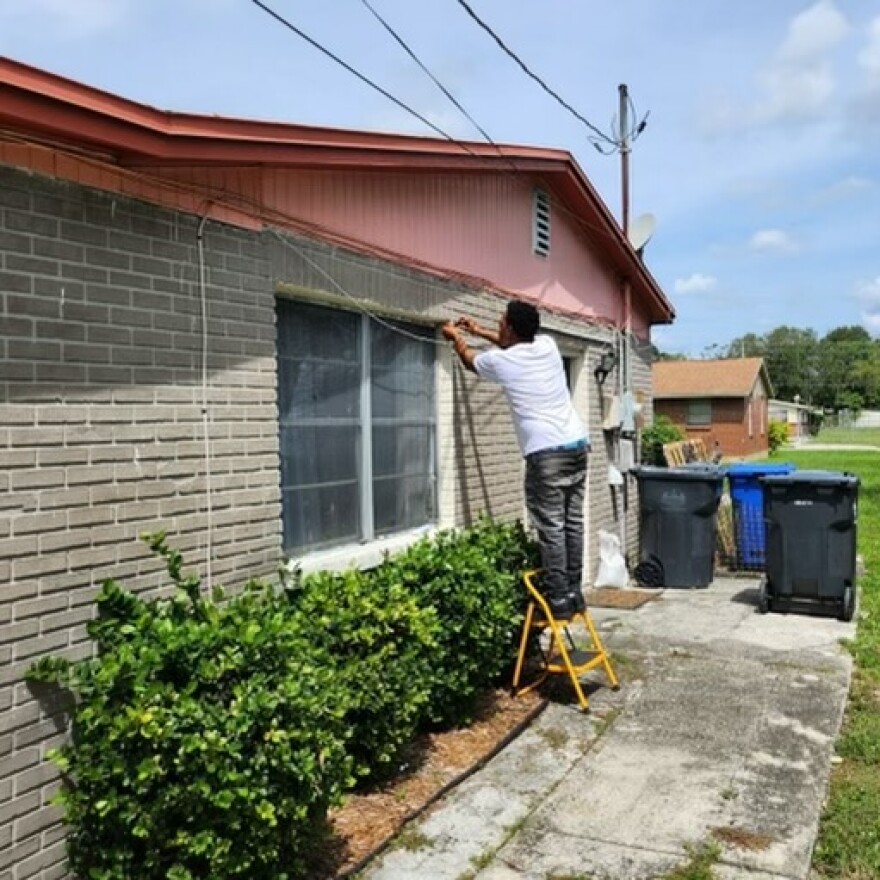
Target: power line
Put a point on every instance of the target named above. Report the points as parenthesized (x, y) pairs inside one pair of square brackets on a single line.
[(364, 79), (402, 43), (510, 53), (581, 221)]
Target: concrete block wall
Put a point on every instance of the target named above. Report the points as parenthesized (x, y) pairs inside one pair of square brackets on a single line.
[(102, 428), (102, 438)]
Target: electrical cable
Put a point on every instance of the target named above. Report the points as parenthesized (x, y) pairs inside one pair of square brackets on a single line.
[(510, 53), (364, 79), (584, 224), (402, 43), (354, 300)]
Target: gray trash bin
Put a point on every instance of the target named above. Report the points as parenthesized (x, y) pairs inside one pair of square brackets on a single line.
[(811, 541), (677, 515)]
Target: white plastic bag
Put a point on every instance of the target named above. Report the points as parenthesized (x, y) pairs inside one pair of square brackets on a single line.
[(612, 565)]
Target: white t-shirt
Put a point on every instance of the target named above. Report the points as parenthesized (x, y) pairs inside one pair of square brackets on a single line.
[(533, 379)]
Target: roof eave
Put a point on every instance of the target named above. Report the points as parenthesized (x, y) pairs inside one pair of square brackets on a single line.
[(136, 135)]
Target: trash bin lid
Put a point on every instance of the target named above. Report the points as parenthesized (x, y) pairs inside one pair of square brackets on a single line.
[(696, 471), (822, 478), (754, 469)]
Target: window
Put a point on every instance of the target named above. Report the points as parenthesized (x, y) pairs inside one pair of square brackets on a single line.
[(699, 412), (541, 223), (356, 411)]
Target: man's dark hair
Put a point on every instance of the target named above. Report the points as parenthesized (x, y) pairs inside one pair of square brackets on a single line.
[(523, 319)]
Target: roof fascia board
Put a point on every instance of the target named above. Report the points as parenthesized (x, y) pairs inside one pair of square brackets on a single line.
[(137, 134)]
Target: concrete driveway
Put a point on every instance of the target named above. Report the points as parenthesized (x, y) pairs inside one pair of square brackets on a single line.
[(722, 733)]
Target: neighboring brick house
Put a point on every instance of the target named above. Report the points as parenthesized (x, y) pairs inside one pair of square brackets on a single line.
[(229, 330), (722, 402)]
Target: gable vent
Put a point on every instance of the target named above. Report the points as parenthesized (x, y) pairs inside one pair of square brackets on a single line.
[(541, 223)]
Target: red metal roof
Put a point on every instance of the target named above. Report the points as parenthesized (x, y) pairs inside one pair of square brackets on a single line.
[(58, 110)]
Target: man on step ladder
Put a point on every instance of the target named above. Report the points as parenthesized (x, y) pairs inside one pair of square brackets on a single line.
[(552, 438)]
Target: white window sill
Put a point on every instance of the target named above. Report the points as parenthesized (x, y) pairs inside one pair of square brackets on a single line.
[(359, 555)]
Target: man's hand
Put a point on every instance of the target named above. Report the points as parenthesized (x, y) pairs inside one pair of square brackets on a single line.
[(469, 325), (450, 331), (465, 353)]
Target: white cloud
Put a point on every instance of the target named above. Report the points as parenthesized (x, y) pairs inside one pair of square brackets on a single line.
[(798, 84), (696, 283), (773, 241), (869, 57), (74, 19), (800, 81), (868, 293), (813, 32)]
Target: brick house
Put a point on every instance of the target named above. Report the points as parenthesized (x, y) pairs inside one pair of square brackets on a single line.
[(229, 330), (722, 402)]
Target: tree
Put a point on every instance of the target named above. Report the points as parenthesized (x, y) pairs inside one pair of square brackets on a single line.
[(792, 358), (750, 345)]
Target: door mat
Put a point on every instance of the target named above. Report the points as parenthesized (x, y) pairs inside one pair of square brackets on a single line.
[(612, 597)]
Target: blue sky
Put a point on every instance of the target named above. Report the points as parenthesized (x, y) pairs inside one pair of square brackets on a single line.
[(760, 161)]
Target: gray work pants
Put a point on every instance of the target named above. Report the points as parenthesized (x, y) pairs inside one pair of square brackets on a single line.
[(554, 488)]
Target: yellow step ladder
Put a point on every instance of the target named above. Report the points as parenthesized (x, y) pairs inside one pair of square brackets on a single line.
[(562, 656)]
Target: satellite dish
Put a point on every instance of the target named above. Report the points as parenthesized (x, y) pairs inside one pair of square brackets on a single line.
[(641, 230)]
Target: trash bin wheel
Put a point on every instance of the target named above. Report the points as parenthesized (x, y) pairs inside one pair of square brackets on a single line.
[(763, 598), (848, 605)]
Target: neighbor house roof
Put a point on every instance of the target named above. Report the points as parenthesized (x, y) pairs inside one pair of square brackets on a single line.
[(732, 377), (58, 111)]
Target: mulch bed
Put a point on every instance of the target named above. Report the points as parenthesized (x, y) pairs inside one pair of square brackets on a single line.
[(613, 597), (366, 823)]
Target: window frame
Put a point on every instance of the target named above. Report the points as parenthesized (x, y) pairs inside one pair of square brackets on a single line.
[(366, 423), (691, 420)]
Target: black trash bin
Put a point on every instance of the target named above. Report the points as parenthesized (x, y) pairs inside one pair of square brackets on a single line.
[(811, 541), (677, 508)]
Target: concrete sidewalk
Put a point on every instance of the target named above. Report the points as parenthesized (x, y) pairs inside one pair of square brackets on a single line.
[(723, 731)]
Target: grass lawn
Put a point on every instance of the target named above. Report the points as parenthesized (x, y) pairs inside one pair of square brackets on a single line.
[(849, 834), (858, 436)]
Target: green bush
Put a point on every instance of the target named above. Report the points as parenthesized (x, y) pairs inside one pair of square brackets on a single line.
[(664, 430), (209, 737), (382, 642), (473, 580), (777, 436)]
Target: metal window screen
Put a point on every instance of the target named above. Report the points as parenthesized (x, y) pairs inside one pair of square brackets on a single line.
[(332, 385)]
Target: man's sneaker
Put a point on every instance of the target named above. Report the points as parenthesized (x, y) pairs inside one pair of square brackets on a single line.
[(561, 607), (578, 602)]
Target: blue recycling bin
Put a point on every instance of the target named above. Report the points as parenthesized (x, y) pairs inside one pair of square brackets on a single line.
[(747, 497)]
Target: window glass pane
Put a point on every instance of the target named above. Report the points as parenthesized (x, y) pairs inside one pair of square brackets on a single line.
[(402, 377), (321, 516), (319, 377), (699, 412), (318, 388), (402, 503), (400, 450), (321, 454), (308, 331), (402, 389)]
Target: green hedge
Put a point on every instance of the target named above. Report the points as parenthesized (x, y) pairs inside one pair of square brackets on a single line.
[(472, 579), (210, 736), (381, 641)]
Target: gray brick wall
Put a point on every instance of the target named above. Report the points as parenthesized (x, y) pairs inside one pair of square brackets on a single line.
[(101, 428), (101, 438)]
